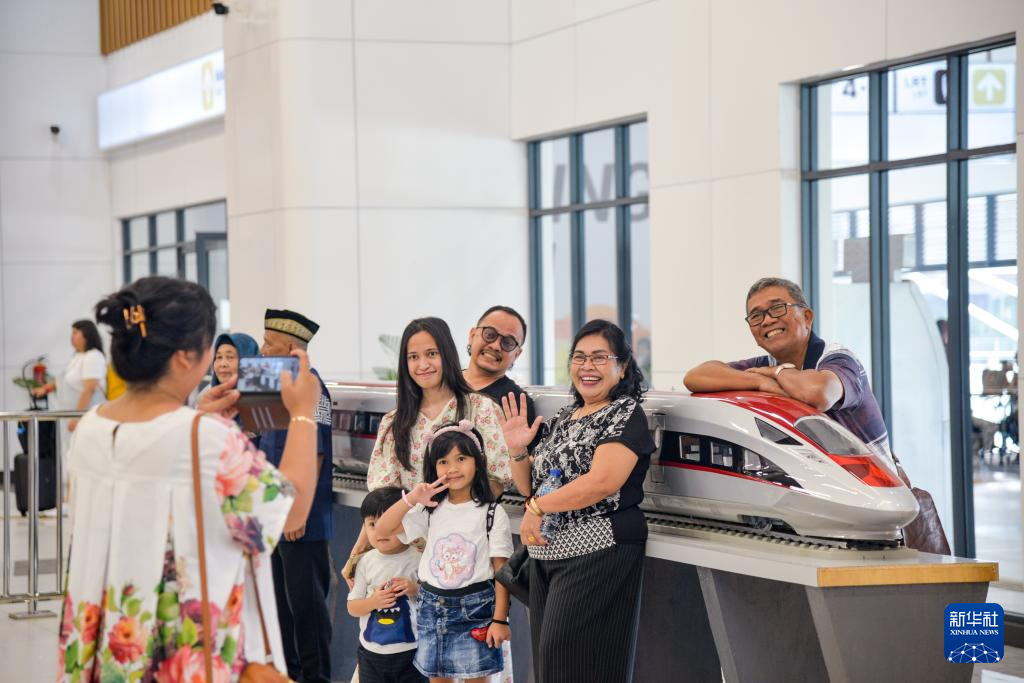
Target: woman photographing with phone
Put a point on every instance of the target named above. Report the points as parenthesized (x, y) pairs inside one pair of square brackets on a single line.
[(134, 587)]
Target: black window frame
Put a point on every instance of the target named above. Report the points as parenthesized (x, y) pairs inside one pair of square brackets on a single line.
[(622, 205), (956, 158), (181, 245)]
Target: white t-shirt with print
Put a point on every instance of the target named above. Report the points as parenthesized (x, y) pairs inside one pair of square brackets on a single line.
[(458, 552), (394, 628)]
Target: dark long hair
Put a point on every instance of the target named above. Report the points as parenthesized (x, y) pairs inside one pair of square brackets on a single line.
[(409, 394), (480, 489), (179, 316), (632, 382), (91, 334)]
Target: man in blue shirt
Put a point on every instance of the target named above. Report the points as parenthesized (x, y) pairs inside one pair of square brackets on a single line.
[(799, 364), (301, 562)]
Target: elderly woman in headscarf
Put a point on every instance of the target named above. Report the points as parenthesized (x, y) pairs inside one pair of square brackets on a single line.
[(227, 349)]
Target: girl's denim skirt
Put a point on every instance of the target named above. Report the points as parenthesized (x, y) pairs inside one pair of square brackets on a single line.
[(445, 618)]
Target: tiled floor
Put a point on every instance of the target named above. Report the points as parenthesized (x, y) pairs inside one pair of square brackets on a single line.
[(28, 649)]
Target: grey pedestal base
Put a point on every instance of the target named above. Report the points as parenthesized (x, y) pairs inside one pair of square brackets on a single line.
[(768, 631)]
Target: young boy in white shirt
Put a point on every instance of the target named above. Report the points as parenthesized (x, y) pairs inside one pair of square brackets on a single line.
[(383, 598)]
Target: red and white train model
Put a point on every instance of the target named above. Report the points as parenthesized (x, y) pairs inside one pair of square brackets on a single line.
[(747, 458)]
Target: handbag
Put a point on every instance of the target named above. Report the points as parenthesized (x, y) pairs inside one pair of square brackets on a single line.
[(515, 575), (925, 533), (254, 672)]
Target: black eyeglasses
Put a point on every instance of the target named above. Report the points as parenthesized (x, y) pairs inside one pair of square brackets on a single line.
[(490, 335), (774, 311), (599, 358)]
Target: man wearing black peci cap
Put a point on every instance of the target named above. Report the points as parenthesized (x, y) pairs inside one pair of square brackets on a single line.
[(301, 563)]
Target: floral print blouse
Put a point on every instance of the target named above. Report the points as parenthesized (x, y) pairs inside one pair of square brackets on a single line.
[(132, 604), (385, 470)]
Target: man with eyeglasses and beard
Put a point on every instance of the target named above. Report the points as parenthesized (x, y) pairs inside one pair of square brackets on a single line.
[(494, 345), (799, 364)]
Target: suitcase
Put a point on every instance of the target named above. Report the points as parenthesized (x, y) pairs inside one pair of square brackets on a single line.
[(47, 438), (47, 497)]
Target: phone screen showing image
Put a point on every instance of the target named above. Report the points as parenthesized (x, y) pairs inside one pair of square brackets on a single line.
[(262, 374)]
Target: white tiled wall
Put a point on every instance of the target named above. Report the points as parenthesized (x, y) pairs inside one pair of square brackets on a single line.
[(180, 168), (376, 180), (55, 240), (716, 80)]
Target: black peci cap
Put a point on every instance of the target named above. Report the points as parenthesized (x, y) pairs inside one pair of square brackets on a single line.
[(290, 322)]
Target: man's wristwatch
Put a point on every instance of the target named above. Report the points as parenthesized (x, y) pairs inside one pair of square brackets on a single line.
[(783, 366)]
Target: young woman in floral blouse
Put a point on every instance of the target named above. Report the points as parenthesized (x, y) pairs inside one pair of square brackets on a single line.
[(132, 606), (431, 391)]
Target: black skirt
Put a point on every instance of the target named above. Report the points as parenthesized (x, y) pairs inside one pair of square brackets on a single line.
[(583, 615)]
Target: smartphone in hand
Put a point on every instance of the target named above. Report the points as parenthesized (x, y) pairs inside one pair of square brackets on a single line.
[(259, 383)]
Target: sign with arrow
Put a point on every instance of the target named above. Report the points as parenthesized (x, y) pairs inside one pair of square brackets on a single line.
[(988, 86)]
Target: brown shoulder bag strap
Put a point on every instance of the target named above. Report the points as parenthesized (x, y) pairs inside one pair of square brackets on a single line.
[(207, 632), (268, 656), (198, 494)]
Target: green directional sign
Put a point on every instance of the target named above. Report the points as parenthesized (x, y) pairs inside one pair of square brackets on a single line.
[(988, 86)]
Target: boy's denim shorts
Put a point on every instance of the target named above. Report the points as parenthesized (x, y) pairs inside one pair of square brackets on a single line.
[(446, 649)]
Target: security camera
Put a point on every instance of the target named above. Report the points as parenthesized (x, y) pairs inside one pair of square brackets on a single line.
[(220, 8), (54, 129)]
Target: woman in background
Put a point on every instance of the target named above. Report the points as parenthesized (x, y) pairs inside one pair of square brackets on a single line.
[(83, 384)]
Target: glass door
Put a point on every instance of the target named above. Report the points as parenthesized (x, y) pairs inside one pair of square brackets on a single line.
[(212, 273)]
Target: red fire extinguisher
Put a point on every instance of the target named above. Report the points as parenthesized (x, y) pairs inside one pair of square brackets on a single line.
[(39, 372)]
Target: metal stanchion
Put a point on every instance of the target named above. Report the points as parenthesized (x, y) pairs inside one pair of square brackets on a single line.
[(59, 483), (33, 527), (33, 595), (8, 473)]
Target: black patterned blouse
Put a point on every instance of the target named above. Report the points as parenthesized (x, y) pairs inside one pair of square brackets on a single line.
[(569, 446)]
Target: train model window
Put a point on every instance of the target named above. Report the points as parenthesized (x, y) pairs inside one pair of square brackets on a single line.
[(830, 436), (722, 454), (357, 422), (689, 447)]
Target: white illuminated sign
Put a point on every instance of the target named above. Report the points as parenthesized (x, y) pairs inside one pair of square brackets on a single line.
[(183, 95)]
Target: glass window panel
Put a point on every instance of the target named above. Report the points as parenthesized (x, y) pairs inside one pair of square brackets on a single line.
[(640, 283), (139, 265), (138, 233), (991, 97), (842, 135), (993, 338), (599, 165), (216, 254), (933, 233), (638, 160), (553, 162), (191, 267), (863, 228), (917, 110), (556, 292), (166, 228), (205, 218), (1006, 226), (600, 265), (843, 311), (167, 262), (977, 227), (918, 323)]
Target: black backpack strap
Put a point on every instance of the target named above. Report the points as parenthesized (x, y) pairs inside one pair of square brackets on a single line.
[(490, 516)]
